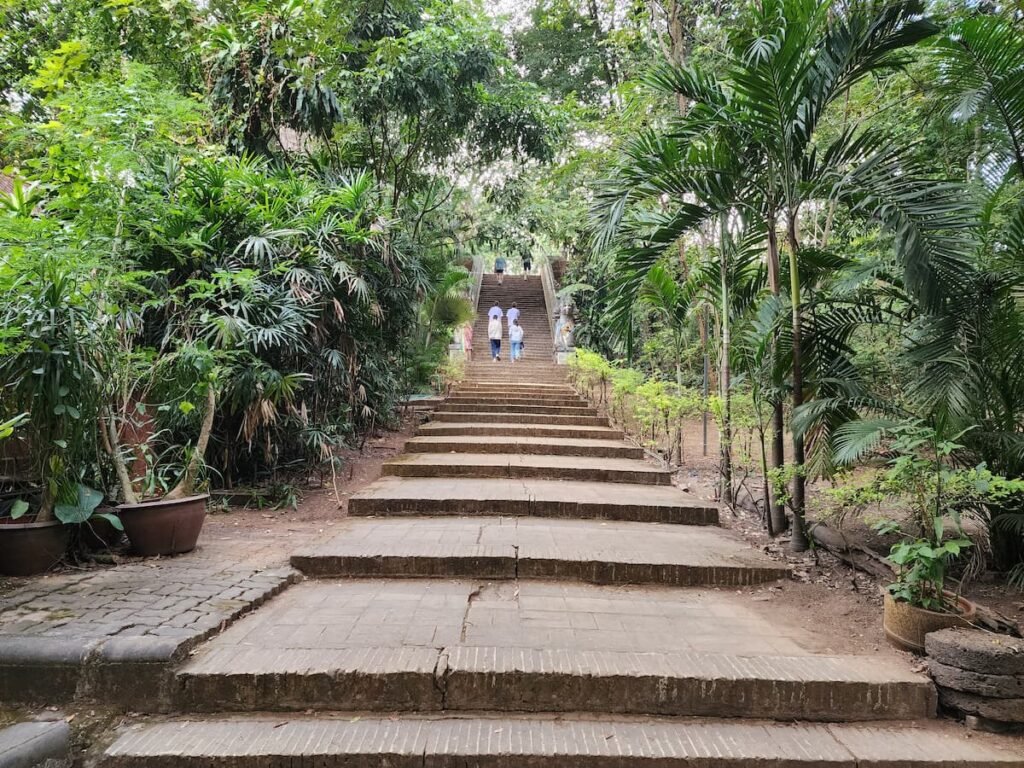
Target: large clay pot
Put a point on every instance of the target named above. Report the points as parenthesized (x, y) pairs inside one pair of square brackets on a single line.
[(30, 548), (164, 527), (98, 534), (906, 625)]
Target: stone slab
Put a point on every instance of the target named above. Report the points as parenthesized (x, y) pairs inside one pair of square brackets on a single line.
[(996, 686), (1004, 710), (490, 417), (444, 645), (416, 742), (469, 497), (512, 409), (114, 635), (977, 650), (514, 429), (44, 744), (501, 466), (497, 547), (548, 446)]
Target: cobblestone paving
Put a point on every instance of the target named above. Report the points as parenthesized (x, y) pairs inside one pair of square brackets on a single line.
[(87, 633)]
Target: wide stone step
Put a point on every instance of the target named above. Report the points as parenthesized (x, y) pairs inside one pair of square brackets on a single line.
[(531, 498), (550, 446), (518, 742), (491, 417), (516, 390), (530, 548), (504, 466), (451, 406), (434, 645), (493, 399), (509, 429)]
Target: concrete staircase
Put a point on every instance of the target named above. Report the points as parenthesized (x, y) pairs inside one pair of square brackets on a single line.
[(522, 588)]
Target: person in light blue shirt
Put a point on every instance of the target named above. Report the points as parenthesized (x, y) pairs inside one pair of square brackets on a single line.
[(499, 268), (515, 335)]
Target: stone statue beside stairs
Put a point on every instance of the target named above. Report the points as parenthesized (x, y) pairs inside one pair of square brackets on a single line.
[(564, 331)]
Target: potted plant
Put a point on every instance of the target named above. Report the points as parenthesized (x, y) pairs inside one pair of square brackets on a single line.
[(52, 370), (160, 518), (936, 491)]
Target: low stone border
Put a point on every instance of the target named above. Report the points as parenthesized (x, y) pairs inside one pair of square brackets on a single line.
[(979, 675), (115, 636), (36, 745)]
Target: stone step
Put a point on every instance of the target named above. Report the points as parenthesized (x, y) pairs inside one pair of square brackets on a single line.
[(530, 548), (519, 398), (433, 645), (515, 388), (517, 742), (555, 410), (509, 429), (531, 498), (546, 467), (548, 446), (499, 417)]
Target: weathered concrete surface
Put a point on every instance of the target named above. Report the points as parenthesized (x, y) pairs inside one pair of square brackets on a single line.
[(43, 744), (411, 742), (515, 429), (549, 446), (506, 548), (114, 635), (540, 647), (470, 497), (505, 466), (977, 650)]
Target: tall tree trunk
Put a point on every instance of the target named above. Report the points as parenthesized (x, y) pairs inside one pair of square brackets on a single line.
[(777, 508), (724, 380), (798, 542)]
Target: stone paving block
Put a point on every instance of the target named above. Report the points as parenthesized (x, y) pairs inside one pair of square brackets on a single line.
[(113, 635), (45, 744), (413, 742)]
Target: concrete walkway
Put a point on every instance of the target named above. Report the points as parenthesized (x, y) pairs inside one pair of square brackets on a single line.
[(522, 589)]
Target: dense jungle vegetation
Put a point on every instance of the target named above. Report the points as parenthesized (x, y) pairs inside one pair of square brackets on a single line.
[(242, 231)]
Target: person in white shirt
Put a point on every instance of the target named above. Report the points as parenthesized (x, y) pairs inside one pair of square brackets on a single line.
[(495, 312), (494, 334), (515, 335), (512, 314)]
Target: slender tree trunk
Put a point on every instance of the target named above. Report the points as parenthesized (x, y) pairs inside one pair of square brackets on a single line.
[(186, 484), (798, 542), (724, 379), (777, 507)]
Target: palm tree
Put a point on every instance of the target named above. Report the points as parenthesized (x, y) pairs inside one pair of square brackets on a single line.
[(798, 58)]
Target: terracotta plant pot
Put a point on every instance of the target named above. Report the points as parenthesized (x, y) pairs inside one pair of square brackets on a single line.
[(164, 527), (30, 548), (906, 625)]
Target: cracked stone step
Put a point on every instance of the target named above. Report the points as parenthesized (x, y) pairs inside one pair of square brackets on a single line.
[(516, 742), (535, 646), (498, 466), (533, 498), (550, 446), (530, 548), (512, 429)]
